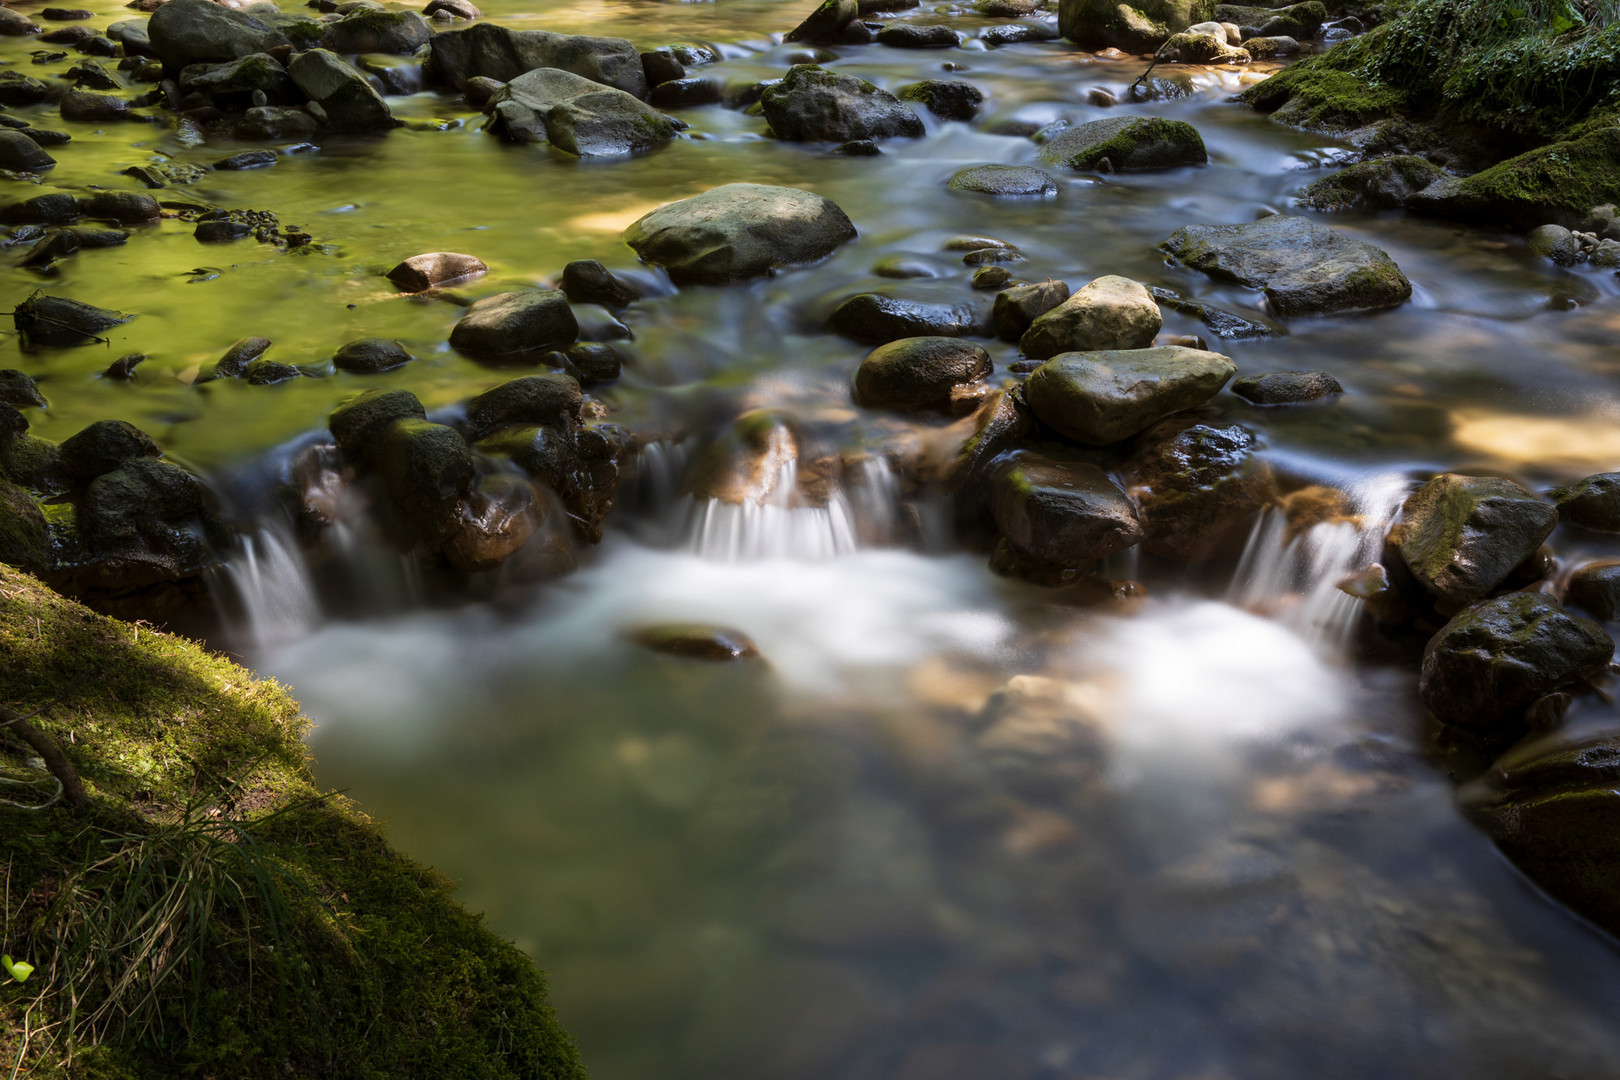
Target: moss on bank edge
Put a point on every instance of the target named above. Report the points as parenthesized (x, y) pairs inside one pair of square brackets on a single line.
[(379, 973)]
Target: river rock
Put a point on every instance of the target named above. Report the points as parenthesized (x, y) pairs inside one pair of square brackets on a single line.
[(265, 122), (242, 353), (24, 536), (368, 355), (688, 93), (516, 322), (576, 115), (1553, 807), (358, 424), (1294, 20), (1016, 34), (500, 515), (1383, 183), (1195, 48), (909, 35), (422, 272), (452, 9), (363, 30), (594, 362), (104, 446), (1101, 398), (1067, 514), (875, 319), (1109, 313), (342, 92), (812, 104), (52, 208), (697, 641), (1017, 308), (124, 207), (586, 281), (1125, 144), (1302, 267), (739, 231), (1195, 484), (89, 107), (54, 320), (1461, 536), (19, 153), (136, 525), (948, 99), (826, 24), (1590, 503), (256, 71), (1140, 26), (186, 32), (1595, 587), (1495, 658), (919, 372), (1557, 183), (428, 472), (745, 464), (18, 390), (1005, 181), (495, 52), (16, 24), (1287, 387), (547, 400), (1554, 243)]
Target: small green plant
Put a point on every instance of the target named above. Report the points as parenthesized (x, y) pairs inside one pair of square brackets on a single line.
[(17, 969)]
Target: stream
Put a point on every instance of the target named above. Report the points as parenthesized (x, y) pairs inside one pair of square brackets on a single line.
[(948, 824)]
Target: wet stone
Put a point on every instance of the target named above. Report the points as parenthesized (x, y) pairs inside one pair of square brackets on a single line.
[(1069, 514), (586, 281), (265, 372), (1461, 536), (1287, 387), (875, 319), (1015, 309), (516, 322), (368, 355), (1595, 588), (52, 320), (696, 641), (826, 23), (104, 446), (1101, 398), (739, 231), (1109, 313), (812, 104), (1592, 502), (240, 355), (249, 159), (358, 424), (991, 277), (422, 272), (1005, 181), (545, 400), (1125, 144), (221, 232), (124, 367), (18, 389), (948, 99), (919, 372), (688, 93), (907, 35), (1196, 484), (19, 153), (594, 362)]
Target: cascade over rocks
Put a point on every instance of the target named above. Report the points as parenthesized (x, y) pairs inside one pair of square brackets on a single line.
[(745, 464), (1109, 313), (1495, 658), (739, 231), (1303, 268), (1067, 514), (1125, 144), (919, 372), (576, 115), (1196, 484), (495, 52), (812, 104), (1461, 536), (1101, 398)]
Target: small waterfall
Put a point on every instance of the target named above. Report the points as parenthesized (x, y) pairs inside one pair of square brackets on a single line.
[(276, 599), (1293, 573)]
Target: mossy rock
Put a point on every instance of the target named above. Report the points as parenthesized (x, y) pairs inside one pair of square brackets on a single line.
[(387, 976), (1380, 184), (23, 536), (1327, 93), (1558, 183), (1126, 144), (1295, 21), (1139, 26)]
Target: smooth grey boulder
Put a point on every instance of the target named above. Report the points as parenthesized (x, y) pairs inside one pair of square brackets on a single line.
[(826, 23), (812, 104), (1125, 144), (496, 52), (919, 372), (368, 355), (1064, 513), (186, 32), (346, 95), (1111, 312), (1302, 267), (1137, 26), (256, 71), (364, 30), (576, 115), (1461, 536), (875, 319), (1005, 181), (1495, 658), (1287, 387), (739, 231), (19, 153), (1592, 502), (1101, 398), (1382, 183), (1015, 309), (516, 322)]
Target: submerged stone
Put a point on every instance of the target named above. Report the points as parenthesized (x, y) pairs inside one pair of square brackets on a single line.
[(1287, 387), (697, 641), (1005, 181), (874, 319), (54, 320)]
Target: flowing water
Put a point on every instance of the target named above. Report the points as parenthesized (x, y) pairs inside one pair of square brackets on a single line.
[(951, 825)]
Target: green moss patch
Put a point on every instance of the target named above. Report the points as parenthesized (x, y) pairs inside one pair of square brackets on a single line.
[(374, 971)]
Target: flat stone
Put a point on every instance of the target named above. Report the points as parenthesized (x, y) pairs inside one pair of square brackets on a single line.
[(421, 272), (1101, 398), (739, 231), (1302, 267), (576, 115), (1287, 387), (1005, 181)]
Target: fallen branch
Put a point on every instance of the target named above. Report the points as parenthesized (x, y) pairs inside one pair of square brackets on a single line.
[(49, 751)]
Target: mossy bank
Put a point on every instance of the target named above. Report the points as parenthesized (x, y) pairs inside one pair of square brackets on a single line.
[(373, 969)]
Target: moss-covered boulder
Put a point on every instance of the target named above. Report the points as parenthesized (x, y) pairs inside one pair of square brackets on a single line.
[(1461, 536), (576, 115), (1592, 502), (1126, 144), (1190, 48), (1302, 267), (1559, 183), (24, 540), (1497, 657), (1295, 20), (1380, 184), (1139, 26), (376, 972)]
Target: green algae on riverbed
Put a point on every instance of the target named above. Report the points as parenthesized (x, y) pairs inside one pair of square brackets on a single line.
[(392, 977)]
